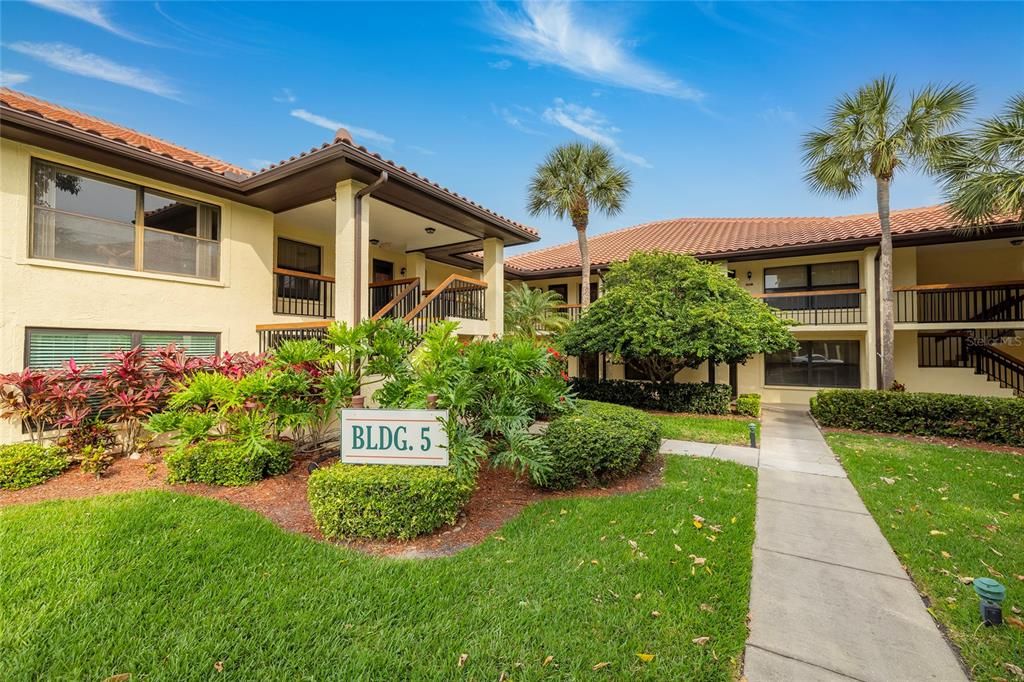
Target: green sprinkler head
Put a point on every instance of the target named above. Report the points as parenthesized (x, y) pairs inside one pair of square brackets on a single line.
[(992, 594)]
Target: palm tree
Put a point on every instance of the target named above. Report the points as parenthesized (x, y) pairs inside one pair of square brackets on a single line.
[(531, 312), (868, 135), (574, 179), (986, 178)]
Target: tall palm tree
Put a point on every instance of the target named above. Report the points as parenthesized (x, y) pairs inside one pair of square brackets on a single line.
[(869, 135), (574, 179), (532, 312), (986, 178)]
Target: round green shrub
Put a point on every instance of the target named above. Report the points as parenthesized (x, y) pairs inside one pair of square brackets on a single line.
[(748, 404), (27, 464), (225, 462), (598, 442), (385, 501)]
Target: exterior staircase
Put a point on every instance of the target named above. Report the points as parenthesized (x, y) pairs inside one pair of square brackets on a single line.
[(996, 355)]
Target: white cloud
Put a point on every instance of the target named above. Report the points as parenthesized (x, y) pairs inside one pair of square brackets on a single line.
[(777, 114), (8, 79), (358, 133), (70, 59), (591, 125), (554, 33), (515, 118), (89, 11), (422, 150), (500, 65), (286, 96)]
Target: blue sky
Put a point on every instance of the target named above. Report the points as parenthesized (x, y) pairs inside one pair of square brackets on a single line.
[(704, 103)]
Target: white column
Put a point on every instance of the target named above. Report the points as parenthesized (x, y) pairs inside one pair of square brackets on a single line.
[(869, 275), (494, 275), (345, 250)]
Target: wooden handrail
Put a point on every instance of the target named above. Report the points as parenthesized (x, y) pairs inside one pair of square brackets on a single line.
[(389, 282), (812, 292), (299, 273), (960, 285), (568, 305), (439, 290), (414, 284), (316, 324)]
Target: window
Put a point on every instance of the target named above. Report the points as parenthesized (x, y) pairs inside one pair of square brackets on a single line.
[(820, 276), (301, 257), (81, 217), (560, 289), (589, 366), (50, 348), (593, 292), (832, 364)]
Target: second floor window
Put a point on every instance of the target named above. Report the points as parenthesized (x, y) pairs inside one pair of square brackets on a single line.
[(84, 218), (814, 277)]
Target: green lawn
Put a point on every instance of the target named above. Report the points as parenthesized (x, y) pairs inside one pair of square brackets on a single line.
[(706, 428), (165, 586), (950, 513)]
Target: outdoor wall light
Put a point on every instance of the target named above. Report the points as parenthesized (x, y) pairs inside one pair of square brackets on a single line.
[(430, 230), (750, 275), (402, 271), (992, 594), (375, 241)]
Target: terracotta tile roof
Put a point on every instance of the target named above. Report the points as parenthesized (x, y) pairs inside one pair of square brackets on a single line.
[(21, 102), (723, 236)]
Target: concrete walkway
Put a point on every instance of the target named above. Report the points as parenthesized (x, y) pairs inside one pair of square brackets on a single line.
[(829, 600)]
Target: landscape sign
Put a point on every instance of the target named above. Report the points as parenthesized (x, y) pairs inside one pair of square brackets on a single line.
[(409, 437)]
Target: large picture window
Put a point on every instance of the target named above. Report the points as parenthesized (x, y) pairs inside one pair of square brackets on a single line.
[(84, 218), (826, 364), (816, 276)]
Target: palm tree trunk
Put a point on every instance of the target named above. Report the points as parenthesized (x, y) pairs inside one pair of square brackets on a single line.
[(581, 236), (888, 333)]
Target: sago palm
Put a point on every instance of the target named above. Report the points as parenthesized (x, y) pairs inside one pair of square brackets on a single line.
[(986, 178), (869, 135), (573, 180), (531, 312)]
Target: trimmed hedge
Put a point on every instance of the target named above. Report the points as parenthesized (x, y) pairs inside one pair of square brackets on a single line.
[(701, 398), (598, 442), (26, 464), (385, 501), (748, 404), (992, 420), (224, 462)]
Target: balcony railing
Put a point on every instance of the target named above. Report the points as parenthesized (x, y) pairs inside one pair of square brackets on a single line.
[(969, 302), (394, 298), (570, 310), (303, 293), (271, 335), (818, 307), (457, 296)]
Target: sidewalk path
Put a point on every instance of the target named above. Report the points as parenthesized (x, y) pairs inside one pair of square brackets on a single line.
[(829, 600)]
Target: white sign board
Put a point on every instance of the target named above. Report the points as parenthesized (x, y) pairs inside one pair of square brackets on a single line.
[(409, 437)]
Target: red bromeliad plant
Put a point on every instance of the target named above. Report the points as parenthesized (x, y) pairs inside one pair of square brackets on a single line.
[(25, 397), (131, 391)]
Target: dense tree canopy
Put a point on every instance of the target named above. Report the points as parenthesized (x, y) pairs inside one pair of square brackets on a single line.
[(662, 312)]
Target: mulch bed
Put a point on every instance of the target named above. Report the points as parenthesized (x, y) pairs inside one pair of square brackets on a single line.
[(933, 440), (499, 497)]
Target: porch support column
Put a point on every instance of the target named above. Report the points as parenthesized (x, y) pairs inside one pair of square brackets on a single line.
[(494, 275), (869, 274), (345, 254), (416, 266)]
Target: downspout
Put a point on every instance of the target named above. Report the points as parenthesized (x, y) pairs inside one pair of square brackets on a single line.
[(359, 283)]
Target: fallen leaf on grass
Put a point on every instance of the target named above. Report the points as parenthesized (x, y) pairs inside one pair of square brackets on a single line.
[(1016, 609), (966, 580), (547, 660), (700, 641), (219, 666), (1014, 670), (945, 554), (462, 659), (887, 480), (698, 560), (678, 548), (655, 614), (646, 658), (936, 532), (1015, 622), (707, 608), (1016, 496), (602, 664), (121, 677)]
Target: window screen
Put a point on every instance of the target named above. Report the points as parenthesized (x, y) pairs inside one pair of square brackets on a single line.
[(50, 348), (832, 364)]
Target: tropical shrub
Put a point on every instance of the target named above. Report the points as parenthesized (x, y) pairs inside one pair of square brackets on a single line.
[(27, 464), (597, 442), (748, 404), (700, 398), (94, 459), (227, 462), (993, 420), (371, 501), (533, 313)]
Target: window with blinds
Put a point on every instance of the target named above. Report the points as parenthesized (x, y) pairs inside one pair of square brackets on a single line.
[(51, 348)]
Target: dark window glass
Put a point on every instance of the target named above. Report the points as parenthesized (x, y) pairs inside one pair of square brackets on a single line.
[(593, 292), (560, 289), (293, 255), (843, 275), (833, 364), (589, 365)]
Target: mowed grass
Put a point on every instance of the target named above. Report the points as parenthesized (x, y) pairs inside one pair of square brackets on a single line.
[(173, 587), (950, 513), (707, 428)]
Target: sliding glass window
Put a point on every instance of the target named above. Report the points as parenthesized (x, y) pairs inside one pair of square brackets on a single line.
[(828, 364), (85, 218)]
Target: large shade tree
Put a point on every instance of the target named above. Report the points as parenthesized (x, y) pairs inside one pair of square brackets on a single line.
[(870, 135), (985, 179), (661, 313), (573, 180), (533, 312)]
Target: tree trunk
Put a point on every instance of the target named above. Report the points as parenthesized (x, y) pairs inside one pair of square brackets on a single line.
[(581, 236), (887, 331)]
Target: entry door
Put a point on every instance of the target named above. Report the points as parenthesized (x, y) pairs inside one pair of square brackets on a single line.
[(383, 271)]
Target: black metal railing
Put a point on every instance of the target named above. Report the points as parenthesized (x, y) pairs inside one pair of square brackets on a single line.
[(983, 302), (457, 296), (975, 350), (300, 293), (394, 298), (828, 307), (999, 366), (271, 336)]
